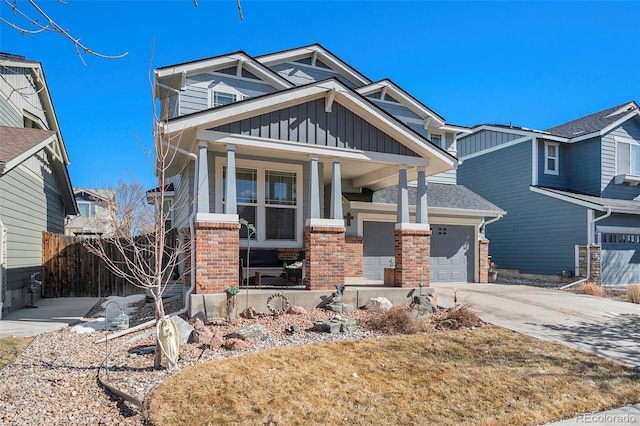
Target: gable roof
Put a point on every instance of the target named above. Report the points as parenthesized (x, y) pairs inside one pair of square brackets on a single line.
[(439, 195), (318, 52), (167, 75), (594, 122), (96, 193), (591, 201), (17, 143)]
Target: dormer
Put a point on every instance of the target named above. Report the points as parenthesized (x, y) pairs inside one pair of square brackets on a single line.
[(308, 64)]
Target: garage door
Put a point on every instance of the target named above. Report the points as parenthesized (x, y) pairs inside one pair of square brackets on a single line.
[(452, 254), (620, 260)]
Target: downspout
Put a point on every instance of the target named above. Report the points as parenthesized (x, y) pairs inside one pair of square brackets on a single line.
[(2, 228), (484, 224), (590, 236), (192, 250)]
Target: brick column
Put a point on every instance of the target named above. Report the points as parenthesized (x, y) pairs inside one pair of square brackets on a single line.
[(483, 260), (324, 256), (353, 256), (412, 255), (217, 256), (596, 272)]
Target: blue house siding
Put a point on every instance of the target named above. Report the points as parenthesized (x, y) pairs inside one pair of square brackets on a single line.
[(482, 140), (399, 111), (628, 129), (617, 219), (583, 166), (309, 123), (550, 180), (299, 74), (193, 99)]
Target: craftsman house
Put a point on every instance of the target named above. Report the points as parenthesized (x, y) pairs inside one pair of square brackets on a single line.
[(565, 188), (94, 217), (328, 165), (35, 189)]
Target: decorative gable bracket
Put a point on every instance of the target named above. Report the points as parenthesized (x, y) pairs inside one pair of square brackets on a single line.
[(328, 99)]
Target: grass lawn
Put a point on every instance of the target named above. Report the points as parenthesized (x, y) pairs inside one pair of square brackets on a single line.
[(10, 348), (488, 376)]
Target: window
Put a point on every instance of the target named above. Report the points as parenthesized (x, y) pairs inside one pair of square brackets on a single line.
[(167, 210), (222, 98), (87, 209), (268, 198), (551, 158), (628, 156), (437, 139)]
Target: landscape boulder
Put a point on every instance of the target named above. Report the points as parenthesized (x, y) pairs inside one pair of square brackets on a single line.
[(235, 344), (379, 303)]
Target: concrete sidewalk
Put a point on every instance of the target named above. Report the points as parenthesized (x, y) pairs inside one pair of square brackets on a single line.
[(598, 325), (50, 314)]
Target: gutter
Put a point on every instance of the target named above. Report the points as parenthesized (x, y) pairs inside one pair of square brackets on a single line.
[(589, 243)]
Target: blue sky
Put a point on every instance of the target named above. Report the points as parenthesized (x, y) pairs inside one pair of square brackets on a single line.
[(534, 64)]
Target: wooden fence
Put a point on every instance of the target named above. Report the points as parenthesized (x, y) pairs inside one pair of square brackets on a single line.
[(71, 270)]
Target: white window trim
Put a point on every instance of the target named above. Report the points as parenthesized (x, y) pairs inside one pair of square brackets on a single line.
[(547, 157), (621, 139), (261, 166), (90, 204), (226, 89), (442, 139)]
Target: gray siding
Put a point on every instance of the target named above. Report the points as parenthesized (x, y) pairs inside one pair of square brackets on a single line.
[(583, 166), (539, 233), (299, 74), (628, 129), (9, 116), (399, 111), (193, 99), (482, 140), (309, 123), (27, 99), (30, 203), (558, 181)]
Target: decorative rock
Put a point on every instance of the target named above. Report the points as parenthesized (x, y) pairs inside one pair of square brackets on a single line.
[(184, 329), (342, 308), (201, 335), (336, 325), (249, 313), (293, 329), (297, 310), (199, 316), (235, 344), (424, 302), (247, 332), (379, 303), (217, 340)]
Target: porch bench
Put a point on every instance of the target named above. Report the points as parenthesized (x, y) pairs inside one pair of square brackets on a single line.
[(265, 265)]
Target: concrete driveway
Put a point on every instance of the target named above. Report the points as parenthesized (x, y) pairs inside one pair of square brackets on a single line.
[(602, 326)]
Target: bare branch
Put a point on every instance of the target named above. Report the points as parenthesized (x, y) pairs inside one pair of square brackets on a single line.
[(22, 31), (240, 10)]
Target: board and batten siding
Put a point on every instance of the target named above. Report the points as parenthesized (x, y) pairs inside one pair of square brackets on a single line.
[(300, 74), (9, 115), (482, 140), (27, 99), (629, 129), (309, 123), (583, 166), (30, 203)]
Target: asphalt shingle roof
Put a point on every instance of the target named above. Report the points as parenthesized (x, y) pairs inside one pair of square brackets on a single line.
[(16, 140), (593, 122), (438, 195)]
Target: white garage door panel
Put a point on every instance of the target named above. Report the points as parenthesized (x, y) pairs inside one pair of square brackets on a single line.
[(620, 259)]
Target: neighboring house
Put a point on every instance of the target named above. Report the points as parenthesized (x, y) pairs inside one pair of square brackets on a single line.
[(312, 153), (94, 213), (569, 186), (35, 189)]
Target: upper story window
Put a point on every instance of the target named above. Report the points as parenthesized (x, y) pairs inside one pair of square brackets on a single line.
[(222, 98), (628, 156), (551, 158), (87, 209), (437, 139)]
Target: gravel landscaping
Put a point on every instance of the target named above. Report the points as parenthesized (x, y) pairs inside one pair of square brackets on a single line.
[(54, 381)]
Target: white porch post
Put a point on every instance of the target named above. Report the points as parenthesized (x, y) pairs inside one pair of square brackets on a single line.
[(314, 190), (231, 203), (202, 191), (403, 196), (422, 215), (336, 191)]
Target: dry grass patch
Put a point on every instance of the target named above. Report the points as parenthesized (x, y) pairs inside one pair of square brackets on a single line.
[(591, 289), (11, 347), (633, 293), (485, 376)]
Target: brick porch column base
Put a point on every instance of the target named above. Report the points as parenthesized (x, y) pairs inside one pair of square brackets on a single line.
[(412, 255), (217, 256), (483, 261), (186, 262), (324, 248), (353, 256)]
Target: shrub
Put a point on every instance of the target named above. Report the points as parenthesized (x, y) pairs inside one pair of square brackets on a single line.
[(456, 318), (398, 320), (590, 288), (633, 293)]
